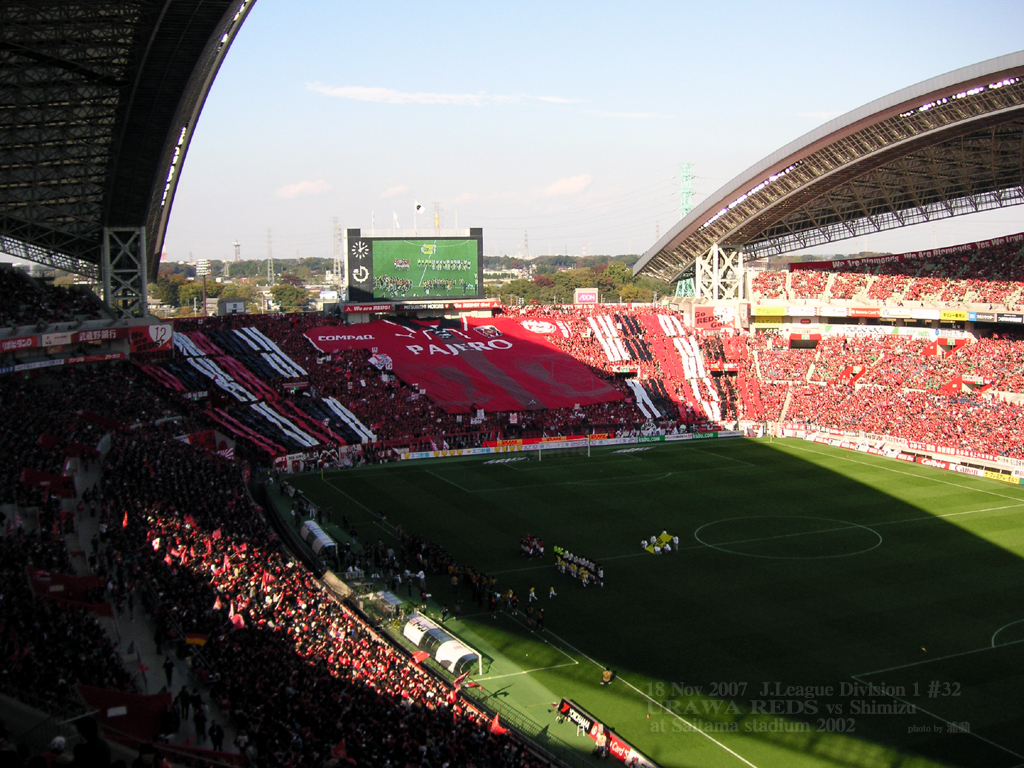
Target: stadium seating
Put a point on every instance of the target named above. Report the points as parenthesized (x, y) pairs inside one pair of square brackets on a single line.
[(989, 276), (28, 302), (180, 519)]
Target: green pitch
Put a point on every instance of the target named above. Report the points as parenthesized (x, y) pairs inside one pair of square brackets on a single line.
[(405, 269), (826, 608)]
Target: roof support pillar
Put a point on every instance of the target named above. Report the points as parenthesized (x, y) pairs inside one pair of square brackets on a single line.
[(123, 270), (719, 274)]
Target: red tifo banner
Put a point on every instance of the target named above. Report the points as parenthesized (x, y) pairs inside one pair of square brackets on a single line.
[(493, 364), (67, 590)]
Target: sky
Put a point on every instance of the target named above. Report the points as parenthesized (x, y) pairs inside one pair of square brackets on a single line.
[(557, 127)]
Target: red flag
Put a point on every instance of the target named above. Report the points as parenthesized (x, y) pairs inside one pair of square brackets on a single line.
[(215, 534), (338, 752), (217, 604), (458, 680), (209, 547), (471, 684), (496, 727), (167, 559), (238, 621), (420, 656), (124, 523)]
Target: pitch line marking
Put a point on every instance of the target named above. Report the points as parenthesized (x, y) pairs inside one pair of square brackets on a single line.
[(902, 472), (721, 456), (1019, 621), (937, 658), (942, 719), (446, 480), (598, 461), (544, 640), (350, 497), (623, 480), (847, 527), (668, 711), (573, 663)]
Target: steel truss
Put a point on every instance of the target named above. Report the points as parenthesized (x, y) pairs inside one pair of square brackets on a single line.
[(719, 274), (958, 154), (124, 270)]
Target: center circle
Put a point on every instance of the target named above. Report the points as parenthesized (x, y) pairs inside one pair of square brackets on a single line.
[(792, 537)]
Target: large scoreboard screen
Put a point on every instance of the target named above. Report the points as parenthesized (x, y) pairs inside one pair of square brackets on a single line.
[(411, 268)]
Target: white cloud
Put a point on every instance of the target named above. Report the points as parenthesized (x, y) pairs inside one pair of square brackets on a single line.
[(392, 191), (302, 189), (571, 186), (556, 100), (391, 96)]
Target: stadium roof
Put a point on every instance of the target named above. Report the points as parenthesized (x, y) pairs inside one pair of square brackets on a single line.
[(98, 102), (948, 146)]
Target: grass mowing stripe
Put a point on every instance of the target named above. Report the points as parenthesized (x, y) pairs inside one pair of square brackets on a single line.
[(920, 475), (596, 481)]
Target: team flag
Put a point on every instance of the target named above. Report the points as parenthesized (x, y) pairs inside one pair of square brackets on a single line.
[(194, 638), (338, 751), (496, 728), (458, 680), (420, 656)]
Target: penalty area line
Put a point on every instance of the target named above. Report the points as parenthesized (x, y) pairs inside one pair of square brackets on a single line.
[(661, 706), (572, 663)]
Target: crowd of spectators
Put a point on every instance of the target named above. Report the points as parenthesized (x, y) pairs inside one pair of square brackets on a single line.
[(769, 285), (49, 646), (28, 302), (301, 673), (991, 275)]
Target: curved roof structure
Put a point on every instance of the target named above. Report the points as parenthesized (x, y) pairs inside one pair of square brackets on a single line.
[(98, 102), (948, 146)]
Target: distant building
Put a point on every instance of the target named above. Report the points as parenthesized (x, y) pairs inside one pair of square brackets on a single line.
[(231, 306)]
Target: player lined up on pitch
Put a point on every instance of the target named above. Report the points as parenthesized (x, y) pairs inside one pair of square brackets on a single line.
[(531, 546), (662, 544), (587, 571)]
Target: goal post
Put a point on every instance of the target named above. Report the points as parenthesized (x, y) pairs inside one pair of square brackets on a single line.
[(560, 449)]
